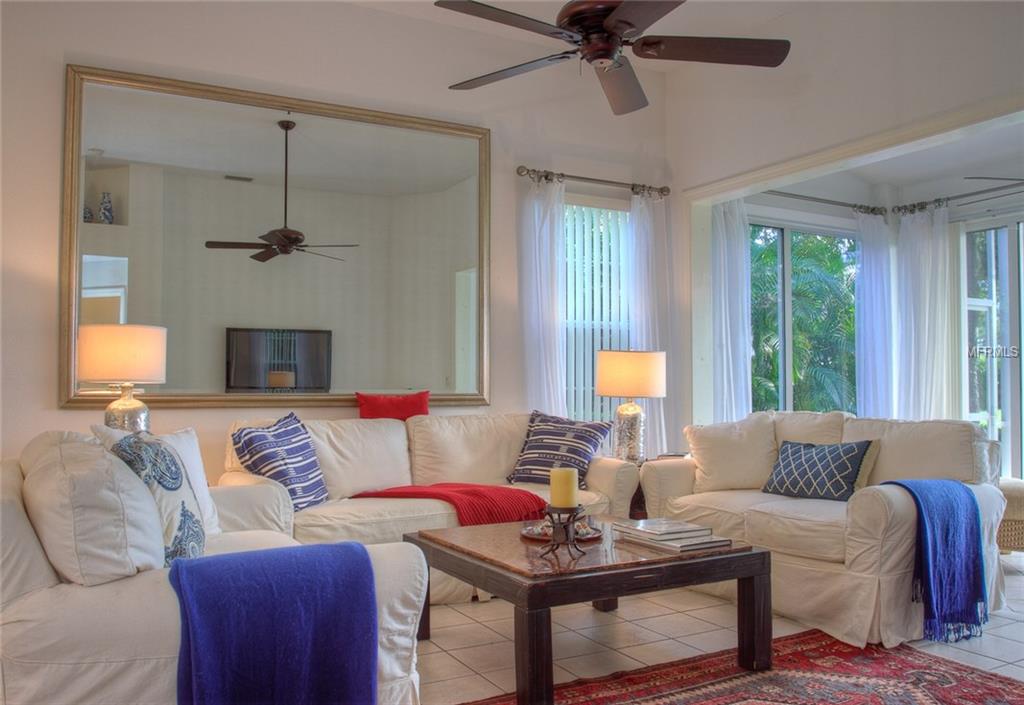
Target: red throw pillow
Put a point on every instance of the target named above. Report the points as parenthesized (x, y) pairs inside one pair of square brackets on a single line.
[(393, 406)]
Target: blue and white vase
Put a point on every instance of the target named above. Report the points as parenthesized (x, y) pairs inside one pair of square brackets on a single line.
[(106, 208), (87, 216)]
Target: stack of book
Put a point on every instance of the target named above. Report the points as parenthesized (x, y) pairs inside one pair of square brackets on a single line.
[(668, 534)]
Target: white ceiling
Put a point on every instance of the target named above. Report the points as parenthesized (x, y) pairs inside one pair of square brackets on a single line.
[(223, 138)]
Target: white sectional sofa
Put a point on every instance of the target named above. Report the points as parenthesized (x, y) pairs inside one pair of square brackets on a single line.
[(843, 567), (358, 455), (118, 642)]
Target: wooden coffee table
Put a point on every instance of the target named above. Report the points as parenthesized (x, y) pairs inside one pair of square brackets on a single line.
[(495, 558)]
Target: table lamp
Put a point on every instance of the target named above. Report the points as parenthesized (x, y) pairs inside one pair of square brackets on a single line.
[(123, 356), (630, 374)]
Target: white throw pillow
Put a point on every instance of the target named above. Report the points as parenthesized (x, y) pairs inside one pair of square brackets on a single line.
[(186, 443), (163, 473), (94, 517), (733, 456)]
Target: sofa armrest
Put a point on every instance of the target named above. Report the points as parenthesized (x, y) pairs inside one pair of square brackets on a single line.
[(615, 479), (881, 527), (400, 577), (664, 479), (246, 501)]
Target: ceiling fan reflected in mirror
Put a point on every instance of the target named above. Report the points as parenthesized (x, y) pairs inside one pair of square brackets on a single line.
[(283, 240), (601, 29)]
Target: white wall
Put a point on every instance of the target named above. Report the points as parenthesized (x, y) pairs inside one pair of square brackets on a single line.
[(327, 51), (855, 69)]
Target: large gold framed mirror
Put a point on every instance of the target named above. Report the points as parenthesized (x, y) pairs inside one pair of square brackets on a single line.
[(362, 266)]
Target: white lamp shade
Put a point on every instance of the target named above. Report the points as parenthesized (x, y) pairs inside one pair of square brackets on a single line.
[(122, 353), (630, 374)]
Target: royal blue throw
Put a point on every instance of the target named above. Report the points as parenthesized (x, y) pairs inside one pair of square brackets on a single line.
[(949, 566), (295, 626)]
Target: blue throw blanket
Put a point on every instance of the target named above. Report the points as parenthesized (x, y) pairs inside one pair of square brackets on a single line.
[(949, 567), (293, 625)]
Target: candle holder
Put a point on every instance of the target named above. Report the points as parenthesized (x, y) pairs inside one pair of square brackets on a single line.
[(563, 529)]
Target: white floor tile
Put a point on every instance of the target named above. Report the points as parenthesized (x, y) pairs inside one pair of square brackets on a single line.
[(486, 611), (488, 657), (632, 610), (582, 616), (683, 600), (968, 658), (507, 627), (457, 690), (426, 647), (992, 646), (722, 615), (660, 652), (440, 666), (445, 616), (784, 627), (570, 644), (711, 641), (505, 679), (1010, 671), (621, 635), (677, 624), (1009, 630), (463, 635), (602, 663)]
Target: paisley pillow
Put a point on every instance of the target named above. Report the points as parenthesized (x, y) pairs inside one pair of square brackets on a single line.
[(162, 471)]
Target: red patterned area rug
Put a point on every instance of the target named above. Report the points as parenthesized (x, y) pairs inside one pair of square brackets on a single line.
[(810, 668)]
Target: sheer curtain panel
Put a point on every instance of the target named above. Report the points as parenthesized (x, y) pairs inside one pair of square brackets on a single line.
[(873, 316), (733, 345)]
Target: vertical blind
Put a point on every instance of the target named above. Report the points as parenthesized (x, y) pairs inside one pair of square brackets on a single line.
[(597, 312)]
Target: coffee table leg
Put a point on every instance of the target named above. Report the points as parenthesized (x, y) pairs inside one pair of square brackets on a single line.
[(607, 605), (754, 609), (535, 683), (424, 630)]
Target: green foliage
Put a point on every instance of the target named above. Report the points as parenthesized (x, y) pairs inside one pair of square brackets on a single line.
[(822, 285)]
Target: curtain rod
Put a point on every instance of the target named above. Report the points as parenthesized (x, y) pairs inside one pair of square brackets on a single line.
[(909, 208), (638, 189)]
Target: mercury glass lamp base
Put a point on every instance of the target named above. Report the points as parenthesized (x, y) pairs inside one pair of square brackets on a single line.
[(629, 432), (127, 413)]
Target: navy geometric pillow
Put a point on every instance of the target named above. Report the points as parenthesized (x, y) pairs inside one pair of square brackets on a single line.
[(554, 442), (818, 472), (283, 452)]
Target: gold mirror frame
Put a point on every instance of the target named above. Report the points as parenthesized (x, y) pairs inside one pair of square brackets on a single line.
[(75, 79)]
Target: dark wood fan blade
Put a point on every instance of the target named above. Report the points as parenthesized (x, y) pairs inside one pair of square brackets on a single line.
[(226, 245), (622, 87), (714, 50), (632, 17), (512, 19), (268, 253), (319, 254), (302, 247), (513, 71)]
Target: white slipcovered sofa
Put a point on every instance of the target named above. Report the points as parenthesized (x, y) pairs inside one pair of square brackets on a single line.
[(118, 642), (843, 567), (358, 455)]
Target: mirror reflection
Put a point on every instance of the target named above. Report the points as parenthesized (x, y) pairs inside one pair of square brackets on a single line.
[(362, 274)]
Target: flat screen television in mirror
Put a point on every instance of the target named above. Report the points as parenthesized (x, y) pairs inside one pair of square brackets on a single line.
[(268, 360)]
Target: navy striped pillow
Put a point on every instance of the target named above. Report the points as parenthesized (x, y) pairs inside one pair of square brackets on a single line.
[(554, 442), (283, 452)]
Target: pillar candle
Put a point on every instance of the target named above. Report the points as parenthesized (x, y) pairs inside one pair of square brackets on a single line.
[(565, 487)]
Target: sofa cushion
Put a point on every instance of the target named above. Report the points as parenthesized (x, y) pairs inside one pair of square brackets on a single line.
[(23, 562), (186, 444), (722, 511), (393, 406), (284, 452), (812, 471), (95, 519), (383, 520), (733, 456), (554, 442), (811, 528), (480, 448), (808, 427), (955, 450)]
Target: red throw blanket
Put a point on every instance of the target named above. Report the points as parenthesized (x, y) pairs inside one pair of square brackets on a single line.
[(474, 504)]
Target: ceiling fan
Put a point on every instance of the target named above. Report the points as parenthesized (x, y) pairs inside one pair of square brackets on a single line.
[(601, 29), (280, 241)]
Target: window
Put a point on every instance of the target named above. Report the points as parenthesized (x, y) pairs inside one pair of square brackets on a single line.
[(802, 316), (596, 312), (990, 272)]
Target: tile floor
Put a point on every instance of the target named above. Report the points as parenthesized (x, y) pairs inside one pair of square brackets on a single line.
[(470, 653)]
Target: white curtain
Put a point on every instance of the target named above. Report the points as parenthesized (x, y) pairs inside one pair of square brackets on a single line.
[(925, 284), (730, 282), (649, 293), (542, 294), (874, 318)]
